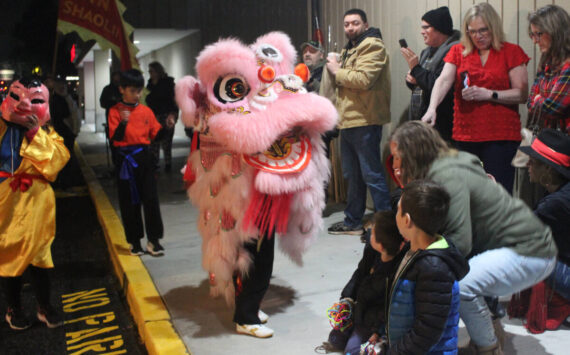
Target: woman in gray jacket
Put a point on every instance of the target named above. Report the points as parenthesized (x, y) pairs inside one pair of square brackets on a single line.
[(508, 247)]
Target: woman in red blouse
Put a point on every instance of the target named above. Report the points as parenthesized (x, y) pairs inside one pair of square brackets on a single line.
[(491, 79), (549, 99)]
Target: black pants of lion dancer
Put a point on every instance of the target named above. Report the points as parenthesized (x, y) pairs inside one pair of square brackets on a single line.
[(255, 285)]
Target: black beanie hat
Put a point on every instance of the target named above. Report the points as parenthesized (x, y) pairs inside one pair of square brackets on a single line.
[(440, 19)]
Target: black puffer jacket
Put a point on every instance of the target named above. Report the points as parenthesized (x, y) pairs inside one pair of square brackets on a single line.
[(368, 286), (423, 312)]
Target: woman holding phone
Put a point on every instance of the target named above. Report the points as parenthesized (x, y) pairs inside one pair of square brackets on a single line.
[(486, 121)]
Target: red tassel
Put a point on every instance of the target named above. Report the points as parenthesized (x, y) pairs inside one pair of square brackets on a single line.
[(194, 143), (268, 213), (189, 175), (558, 310), (543, 308), (537, 310)]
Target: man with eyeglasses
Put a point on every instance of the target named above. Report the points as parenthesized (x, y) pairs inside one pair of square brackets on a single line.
[(362, 78), (439, 36)]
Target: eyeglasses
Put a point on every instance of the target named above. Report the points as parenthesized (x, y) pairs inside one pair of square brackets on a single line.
[(535, 35), (425, 27), (482, 31)]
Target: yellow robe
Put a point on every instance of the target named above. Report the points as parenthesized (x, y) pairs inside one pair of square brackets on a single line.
[(27, 219)]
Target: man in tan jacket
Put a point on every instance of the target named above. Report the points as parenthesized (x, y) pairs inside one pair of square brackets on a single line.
[(362, 79)]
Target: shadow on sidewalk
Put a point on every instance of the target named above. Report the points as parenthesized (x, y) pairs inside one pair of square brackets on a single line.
[(212, 315)]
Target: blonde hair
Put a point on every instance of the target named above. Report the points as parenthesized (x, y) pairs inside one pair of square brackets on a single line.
[(554, 21), (491, 19)]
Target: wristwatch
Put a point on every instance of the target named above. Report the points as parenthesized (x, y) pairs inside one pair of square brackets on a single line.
[(495, 95)]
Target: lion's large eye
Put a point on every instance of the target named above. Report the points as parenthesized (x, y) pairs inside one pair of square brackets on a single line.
[(267, 52), (230, 88)]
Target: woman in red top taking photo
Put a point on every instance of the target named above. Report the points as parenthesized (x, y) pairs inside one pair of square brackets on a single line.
[(491, 79)]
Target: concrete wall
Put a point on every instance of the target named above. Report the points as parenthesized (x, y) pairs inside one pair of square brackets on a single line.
[(178, 58), (101, 79), (89, 92), (244, 19), (401, 19)]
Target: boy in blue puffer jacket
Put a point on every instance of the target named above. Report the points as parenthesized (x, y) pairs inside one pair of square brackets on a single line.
[(423, 303)]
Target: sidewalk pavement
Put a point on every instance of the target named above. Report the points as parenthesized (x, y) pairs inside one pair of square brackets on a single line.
[(297, 299)]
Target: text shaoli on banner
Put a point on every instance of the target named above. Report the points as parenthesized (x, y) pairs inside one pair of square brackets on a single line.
[(101, 20)]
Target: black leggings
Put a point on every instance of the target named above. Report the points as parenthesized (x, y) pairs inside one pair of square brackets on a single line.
[(12, 287), (496, 157)]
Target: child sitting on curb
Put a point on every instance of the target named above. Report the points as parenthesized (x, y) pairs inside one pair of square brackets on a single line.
[(367, 288)]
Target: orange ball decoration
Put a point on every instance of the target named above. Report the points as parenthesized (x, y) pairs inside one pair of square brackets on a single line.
[(302, 71), (266, 73)]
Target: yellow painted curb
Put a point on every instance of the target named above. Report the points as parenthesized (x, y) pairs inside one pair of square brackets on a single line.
[(147, 307), (162, 339)]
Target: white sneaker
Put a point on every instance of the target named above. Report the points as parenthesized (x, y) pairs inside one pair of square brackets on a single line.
[(263, 317), (154, 248), (256, 330)]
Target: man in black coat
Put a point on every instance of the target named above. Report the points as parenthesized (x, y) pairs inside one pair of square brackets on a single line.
[(439, 36)]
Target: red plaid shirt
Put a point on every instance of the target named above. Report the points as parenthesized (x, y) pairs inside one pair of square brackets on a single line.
[(552, 107)]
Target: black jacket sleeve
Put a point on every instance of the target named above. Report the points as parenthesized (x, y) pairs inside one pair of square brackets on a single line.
[(433, 296), (161, 97), (363, 269), (426, 78), (380, 317)]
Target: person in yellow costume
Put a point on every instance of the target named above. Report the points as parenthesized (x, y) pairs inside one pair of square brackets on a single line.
[(31, 155)]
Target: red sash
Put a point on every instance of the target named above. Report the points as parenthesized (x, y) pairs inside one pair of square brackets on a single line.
[(21, 181)]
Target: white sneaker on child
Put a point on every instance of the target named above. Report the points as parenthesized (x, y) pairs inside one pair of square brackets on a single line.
[(154, 248), (256, 330)]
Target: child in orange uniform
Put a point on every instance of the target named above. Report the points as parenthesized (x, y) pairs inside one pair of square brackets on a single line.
[(132, 127)]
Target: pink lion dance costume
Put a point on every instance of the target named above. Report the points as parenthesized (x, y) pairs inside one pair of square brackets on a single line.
[(261, 165)]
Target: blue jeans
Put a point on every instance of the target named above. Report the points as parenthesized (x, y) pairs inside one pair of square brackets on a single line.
[(362, 167), (496, 272), (359, 336), (559, 280)]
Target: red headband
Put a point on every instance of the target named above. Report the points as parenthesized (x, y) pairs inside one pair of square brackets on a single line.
[(550, 154)]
